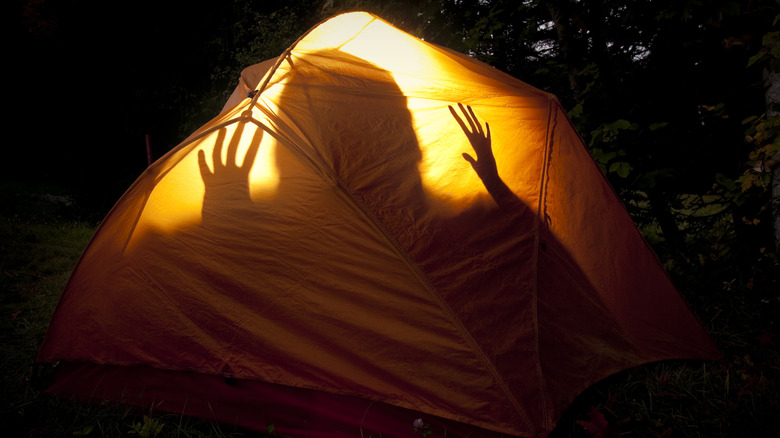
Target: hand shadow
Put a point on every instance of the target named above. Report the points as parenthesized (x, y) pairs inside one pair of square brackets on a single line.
[(227, 185), (485, 163)]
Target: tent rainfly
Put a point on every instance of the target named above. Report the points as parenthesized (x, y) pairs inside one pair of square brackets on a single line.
[(347, 250)]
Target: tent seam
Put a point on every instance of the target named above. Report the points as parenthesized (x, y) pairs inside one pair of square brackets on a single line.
[(542, 220), (286, 55)]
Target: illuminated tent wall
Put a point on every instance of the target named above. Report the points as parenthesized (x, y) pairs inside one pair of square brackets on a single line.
[(322, 257)]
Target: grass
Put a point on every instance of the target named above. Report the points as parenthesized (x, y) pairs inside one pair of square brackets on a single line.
[(39, 249), (42, 235)]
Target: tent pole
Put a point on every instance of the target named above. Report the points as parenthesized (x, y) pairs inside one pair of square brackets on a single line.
[(148, 150)]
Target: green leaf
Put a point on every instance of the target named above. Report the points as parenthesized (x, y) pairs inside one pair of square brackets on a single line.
[(757, 57), (749, 181), (601, 156), (749, 120), (725, 181), (576, 111), (149, 429), (770, 38), (85, 431), (620, 124), (621, 168)]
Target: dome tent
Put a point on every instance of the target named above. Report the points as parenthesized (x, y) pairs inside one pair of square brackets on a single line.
[(323, 257)]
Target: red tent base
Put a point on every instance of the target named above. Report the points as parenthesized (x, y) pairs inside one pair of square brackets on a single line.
[(248, 404)]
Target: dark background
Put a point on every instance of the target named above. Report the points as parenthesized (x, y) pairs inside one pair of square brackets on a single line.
[(91, 79)]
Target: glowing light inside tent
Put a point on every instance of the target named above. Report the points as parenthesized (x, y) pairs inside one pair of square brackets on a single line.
[(176, 202), (445, 174), (264, 176), (261, 175), (444, 170)]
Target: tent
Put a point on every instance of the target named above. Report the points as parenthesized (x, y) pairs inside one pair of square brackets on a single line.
[(347, 251)]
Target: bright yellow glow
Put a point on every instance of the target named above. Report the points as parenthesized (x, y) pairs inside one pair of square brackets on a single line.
[(413, 66), (420, 71), (264, 178), (400, 54), (176, 202)]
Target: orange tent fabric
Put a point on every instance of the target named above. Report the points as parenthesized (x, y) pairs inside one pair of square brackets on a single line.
[(350, 250)]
